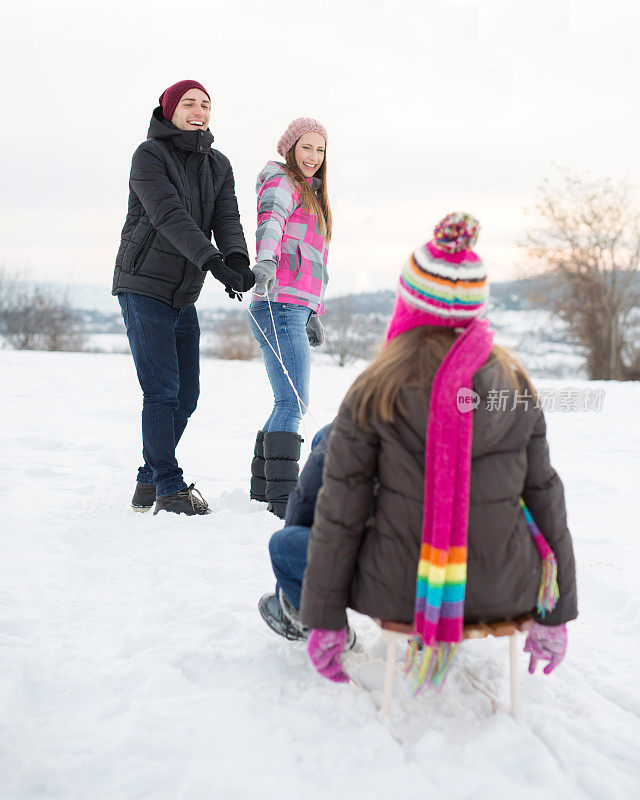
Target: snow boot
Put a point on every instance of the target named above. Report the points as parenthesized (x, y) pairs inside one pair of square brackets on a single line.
[(291, 613), (183, 502), (271, 612), (258, 481), (281, 453), (144, 497), (284, 619)]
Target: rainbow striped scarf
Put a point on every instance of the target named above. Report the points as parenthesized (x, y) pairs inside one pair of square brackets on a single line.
[(548, 594), (442, 569)]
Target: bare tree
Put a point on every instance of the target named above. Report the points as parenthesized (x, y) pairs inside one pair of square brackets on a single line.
[(588, 240), (350, 336), (340, 333), (33, 318), (8, 290), (234, 340)]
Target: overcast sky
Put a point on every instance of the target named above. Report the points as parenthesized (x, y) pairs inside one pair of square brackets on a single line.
[(430, 107)]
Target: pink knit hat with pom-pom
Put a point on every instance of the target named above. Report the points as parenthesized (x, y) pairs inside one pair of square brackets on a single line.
[(295, 130), (444, 282)]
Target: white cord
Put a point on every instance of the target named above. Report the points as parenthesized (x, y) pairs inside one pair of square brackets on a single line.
[(278, 355)]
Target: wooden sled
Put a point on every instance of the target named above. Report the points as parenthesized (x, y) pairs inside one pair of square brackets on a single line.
[(394, 631)]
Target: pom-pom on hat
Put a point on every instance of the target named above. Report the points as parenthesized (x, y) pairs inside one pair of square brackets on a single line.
[(170, 98), (444, 282), (456, 232), (296, 129)]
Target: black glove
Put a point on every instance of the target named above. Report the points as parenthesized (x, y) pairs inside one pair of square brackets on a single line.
[(231, 279), (240, 263)]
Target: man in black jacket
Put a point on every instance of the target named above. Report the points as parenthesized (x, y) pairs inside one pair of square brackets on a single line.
[(181, 191)]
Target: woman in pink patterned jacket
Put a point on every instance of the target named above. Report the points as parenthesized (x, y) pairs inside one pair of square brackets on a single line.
[(294, 230)]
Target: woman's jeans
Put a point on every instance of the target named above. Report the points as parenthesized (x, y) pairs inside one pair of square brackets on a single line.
[(165, 343), (292, 342), (288, 551)]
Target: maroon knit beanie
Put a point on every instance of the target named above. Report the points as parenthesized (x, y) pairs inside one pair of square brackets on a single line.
[(170, 98)]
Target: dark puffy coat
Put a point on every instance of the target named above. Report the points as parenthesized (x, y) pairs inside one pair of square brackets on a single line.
[(366, 557), (181, 190), (302, 500)]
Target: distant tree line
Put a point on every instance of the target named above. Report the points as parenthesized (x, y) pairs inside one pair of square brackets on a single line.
[(36, 318)]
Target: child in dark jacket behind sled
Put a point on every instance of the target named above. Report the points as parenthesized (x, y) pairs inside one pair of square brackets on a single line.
[(432, 484), (288, 549)]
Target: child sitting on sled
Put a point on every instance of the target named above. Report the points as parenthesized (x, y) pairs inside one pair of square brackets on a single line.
[(436, 468)]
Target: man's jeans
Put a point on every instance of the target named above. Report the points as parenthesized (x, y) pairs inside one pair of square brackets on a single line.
[(292, 342), (165, 343), (288, 551)]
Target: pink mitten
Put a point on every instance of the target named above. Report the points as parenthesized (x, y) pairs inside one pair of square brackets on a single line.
[(546, 643), (325, 649)]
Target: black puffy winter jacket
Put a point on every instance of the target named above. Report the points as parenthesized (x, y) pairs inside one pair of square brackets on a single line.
[(181, 191)]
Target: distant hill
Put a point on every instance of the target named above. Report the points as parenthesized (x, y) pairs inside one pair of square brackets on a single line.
[(525, 294), (517, 295), (508, 295)]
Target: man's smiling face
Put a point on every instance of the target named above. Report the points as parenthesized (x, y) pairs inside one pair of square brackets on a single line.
[(193, 111)]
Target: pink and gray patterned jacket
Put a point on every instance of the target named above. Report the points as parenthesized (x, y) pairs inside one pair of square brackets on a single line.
[(289, 235)]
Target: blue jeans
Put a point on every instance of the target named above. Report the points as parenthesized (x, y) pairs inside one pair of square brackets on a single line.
[(290, 328), (165, 343), (288, 551)]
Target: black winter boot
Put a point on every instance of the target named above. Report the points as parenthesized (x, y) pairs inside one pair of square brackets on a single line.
[(282, 453), (258, 481), (183, 502), (144, 497), (271, 612)]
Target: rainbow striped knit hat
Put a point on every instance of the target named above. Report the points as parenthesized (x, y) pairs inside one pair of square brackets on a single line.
[(443, 282)]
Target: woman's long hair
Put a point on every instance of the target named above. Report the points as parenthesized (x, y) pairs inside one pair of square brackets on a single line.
[(413, 358), (316, 202)]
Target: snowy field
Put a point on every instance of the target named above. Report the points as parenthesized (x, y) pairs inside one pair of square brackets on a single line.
[(134, 664)]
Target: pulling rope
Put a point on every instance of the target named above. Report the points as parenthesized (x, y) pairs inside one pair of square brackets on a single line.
[(278, 356)]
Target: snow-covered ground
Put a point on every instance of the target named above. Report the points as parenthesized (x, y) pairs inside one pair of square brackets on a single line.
[(134, 664)]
